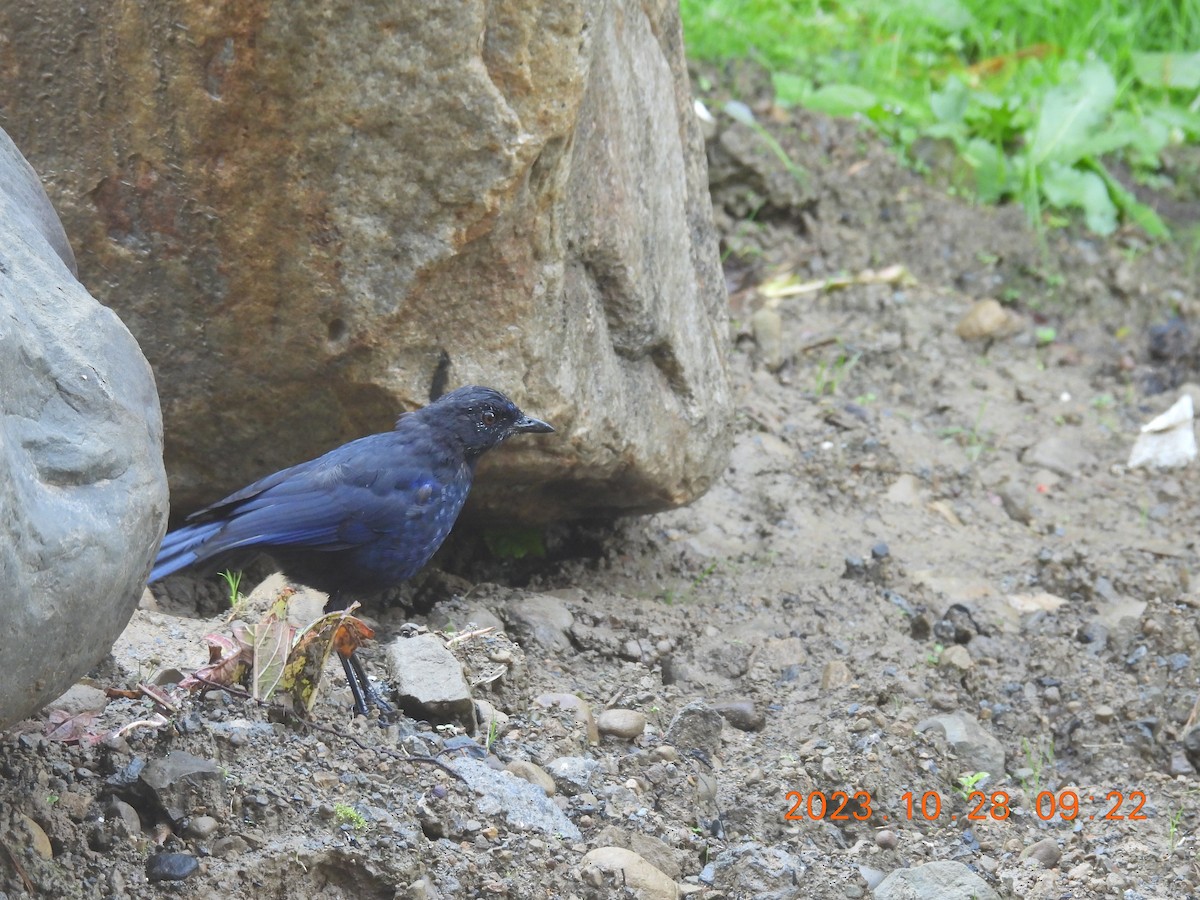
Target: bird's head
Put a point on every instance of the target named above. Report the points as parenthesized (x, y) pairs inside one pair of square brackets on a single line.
[(481, 418)]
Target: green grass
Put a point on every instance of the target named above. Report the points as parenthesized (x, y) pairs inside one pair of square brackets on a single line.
[(1036, 96)]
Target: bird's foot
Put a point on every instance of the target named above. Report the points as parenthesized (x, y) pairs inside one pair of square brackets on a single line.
[(365, 695)]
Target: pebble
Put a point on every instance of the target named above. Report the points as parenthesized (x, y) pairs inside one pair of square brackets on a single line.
[(573, 774), (696, 726), (986, 319), (623, 869), (171, 866), (532, 773), (492, 722), (201, 827), (742, 715), (36, 837), (583, 712), (835, 675), (1046, 851), (956, 656), (887, 839), (767, 326), (622, 723)]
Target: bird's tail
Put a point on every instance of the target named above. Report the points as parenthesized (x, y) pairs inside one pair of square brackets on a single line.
[(179, 548)]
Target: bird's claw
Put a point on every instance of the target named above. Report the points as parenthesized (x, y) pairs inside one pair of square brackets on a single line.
[(365, 695)]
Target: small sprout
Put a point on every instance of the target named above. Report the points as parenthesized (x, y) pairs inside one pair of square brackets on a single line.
[(1045, 334), (968, 781), (345, 814), (234, 581)]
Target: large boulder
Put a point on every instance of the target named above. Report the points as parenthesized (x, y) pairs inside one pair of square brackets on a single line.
[(83, 494), (314, 216)]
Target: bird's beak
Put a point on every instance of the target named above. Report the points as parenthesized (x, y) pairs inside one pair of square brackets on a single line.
[(530, 425)]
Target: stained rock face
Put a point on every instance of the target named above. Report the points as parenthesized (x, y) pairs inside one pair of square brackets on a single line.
[(314, 217), (83, 494)]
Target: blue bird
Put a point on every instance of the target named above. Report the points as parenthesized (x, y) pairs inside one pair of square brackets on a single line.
[(364, 517)]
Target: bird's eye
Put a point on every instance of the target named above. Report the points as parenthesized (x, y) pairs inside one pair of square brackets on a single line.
[(488, 417)]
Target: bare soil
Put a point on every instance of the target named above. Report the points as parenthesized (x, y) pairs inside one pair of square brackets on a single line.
[(914, 529)]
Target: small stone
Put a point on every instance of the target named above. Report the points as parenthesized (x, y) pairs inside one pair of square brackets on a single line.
[(171, 866), (622, 723), (38, 841), (742, 715), (886, 839), (540, 619), (940, 879), (767, 326), (81, 698), (532, 773), (836, 674), (492, 722), (1046, 851), (986, 319), (1104, 714), (583, 712), (230, 846), (623, 869), (696, 726), (201, 827), (956, 656), (119, 810), (573, 774)]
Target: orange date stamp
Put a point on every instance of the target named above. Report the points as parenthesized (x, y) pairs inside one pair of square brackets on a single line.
[(979, 806)]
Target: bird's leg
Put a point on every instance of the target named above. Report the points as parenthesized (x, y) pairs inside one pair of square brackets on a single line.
[(365, 696)]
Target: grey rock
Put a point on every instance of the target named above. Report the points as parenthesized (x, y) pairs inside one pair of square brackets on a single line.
[(534, 774), (524, 806), (201, 827), (127, 816), (540, 619), (573, 774), (941, 880), (83, 494), (622, 723), (418, 163), (171, 866), (1060, 454), (975, 747), (751, 869), (1046, 851), (652, 849), (179, 783), (742, 714), (696, 726), (429, 681), (767, 325), (624, 870)]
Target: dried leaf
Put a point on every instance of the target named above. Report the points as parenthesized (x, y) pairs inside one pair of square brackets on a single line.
[(67, 728), (306, 663)]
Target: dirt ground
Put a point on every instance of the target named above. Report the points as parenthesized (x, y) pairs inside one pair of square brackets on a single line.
[(927, 580)]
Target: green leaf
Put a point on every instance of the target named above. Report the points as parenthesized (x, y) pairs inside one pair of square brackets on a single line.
[(993, 174), (1132, 208), (790, 89), (841, 100), (1065, 186), (950, 103), (1168, 70), (1070, 113)]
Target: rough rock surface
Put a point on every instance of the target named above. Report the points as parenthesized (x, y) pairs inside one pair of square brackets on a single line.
[(314, 221), (83, 497)]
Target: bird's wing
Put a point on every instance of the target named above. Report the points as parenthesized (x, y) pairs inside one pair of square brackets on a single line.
[(344, 499)]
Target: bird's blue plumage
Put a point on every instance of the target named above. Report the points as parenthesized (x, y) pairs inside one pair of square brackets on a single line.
[(365, 516)]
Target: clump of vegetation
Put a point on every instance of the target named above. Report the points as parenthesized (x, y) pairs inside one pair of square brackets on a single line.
[(1037, 97), (345, 814)]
